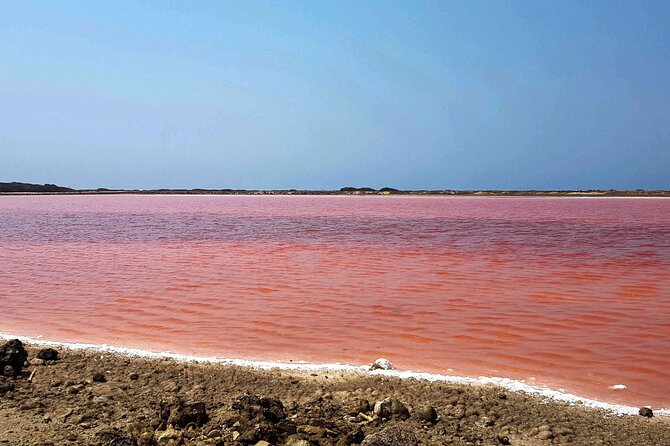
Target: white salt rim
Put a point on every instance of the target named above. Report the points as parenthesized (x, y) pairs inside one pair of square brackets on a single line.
[(506, 383)]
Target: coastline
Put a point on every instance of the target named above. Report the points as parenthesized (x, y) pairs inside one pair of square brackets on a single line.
[(506, 384), (68, 402), (347, 191)]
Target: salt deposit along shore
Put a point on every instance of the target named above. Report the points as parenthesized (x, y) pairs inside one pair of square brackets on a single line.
[(87, 397)]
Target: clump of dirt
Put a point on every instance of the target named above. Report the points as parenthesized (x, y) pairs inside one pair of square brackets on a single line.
[(144, 402)]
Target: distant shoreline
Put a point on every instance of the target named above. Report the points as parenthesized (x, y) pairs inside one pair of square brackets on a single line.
[(566, 194), (30, 189)]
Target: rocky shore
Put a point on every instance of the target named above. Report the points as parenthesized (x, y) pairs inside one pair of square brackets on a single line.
[(68, 397)]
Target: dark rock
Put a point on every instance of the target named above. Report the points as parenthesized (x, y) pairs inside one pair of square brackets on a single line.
[(390, 408), (181, 414), (99, 378), (254, 406), (48, 354), (504, 441), (12, 357), (427, 414), (646, 412), (391, 436), (134, 376)]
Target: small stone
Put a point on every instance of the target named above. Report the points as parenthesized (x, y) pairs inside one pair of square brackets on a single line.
[(504, 440), (48, 354), (486, 422), (262, 443), (646, 412), (99, 378), (133, 376), (544, 427), (382, 364), (390, 407), (426, 414), (545, 435), (502, 396), (214, 433), (8, 371), (235, 435)]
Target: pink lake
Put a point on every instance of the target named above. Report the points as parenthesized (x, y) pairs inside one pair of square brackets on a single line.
[(570, 293)]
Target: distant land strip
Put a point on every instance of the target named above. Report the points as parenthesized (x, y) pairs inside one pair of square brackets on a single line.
[(15, 188)]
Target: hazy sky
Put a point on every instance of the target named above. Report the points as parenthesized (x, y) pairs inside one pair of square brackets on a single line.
[(311, 94)]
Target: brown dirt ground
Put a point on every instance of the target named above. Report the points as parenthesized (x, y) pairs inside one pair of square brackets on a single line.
[(136, 401)]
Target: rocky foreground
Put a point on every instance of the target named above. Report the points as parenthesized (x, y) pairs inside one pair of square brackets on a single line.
[(66, 397)]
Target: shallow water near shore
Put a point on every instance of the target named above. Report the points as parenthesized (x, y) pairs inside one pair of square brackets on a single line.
[(567, 293)]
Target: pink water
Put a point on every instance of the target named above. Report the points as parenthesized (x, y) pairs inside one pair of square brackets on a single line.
[(574, 293)]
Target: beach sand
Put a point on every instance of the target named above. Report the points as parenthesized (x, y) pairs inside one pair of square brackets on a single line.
[(93, 398)]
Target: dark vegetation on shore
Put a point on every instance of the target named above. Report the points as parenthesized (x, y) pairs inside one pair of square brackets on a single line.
[(32, 188), (25, 188), (67, 397)]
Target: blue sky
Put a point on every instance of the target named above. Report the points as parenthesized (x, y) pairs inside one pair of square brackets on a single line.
[(411, 94)]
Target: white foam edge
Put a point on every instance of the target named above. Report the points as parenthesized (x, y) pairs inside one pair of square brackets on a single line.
[(505, 383)]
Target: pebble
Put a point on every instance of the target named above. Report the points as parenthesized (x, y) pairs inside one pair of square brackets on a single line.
[(504, 440), (646, 412), (390, 407), (48, 354), (133, 376), (382, 364), (214, 433), (426, 414), (99, 378), (545, 435), (486, 422)]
